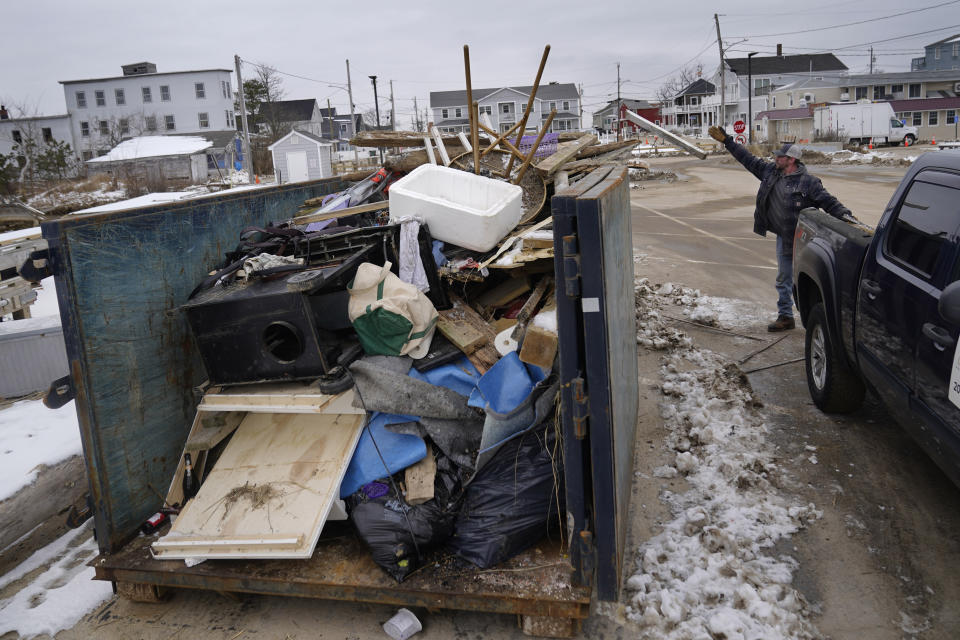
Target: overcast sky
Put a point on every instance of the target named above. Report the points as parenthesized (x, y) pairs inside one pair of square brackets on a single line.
[(419, 45)]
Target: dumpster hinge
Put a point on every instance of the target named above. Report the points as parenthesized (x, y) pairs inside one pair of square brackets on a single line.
[(587, 559), (571, 267), (581, 409)]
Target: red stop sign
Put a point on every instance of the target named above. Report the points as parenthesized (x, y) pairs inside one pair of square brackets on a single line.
[(739, 126)]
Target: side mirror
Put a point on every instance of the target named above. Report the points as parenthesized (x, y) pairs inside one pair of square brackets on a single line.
[(949, 305)]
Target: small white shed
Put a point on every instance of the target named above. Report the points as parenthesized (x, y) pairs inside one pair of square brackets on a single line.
[(300, 156)]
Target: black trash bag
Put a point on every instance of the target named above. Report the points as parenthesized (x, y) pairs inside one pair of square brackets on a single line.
[(512, 501), (400, 535)]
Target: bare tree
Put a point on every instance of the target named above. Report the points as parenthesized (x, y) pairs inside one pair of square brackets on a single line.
[(677, 83)]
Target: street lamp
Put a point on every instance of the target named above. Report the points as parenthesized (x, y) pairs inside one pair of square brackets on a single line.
[(376, 104), (750, 94)]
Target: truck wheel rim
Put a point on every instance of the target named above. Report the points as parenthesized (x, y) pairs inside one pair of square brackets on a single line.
[(818, 357)]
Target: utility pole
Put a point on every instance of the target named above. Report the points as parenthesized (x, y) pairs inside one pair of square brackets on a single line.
[(376, 105), (871, 60), (353, 118), (723, 83), (247, 160), (393, 109), (750, 94), (618, 102), (416, 116), (580, 100)]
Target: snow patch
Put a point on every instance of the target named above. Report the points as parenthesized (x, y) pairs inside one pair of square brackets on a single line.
[(154, 146), (32, 435)]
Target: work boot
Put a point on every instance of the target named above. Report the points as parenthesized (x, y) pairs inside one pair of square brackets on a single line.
[(782, 323)]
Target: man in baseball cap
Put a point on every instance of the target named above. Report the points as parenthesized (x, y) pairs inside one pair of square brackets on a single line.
[(785, 189)]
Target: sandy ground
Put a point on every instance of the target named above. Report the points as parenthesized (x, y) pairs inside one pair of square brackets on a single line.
[(877, 565)]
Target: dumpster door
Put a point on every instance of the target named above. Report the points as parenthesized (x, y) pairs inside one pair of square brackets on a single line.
[(598, 367)]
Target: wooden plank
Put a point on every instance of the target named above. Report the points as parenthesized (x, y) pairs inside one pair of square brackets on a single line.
[(486, 356), (271, 490), (539, 347), (461, 333), (416, 157), (306, 217), (212, 428), (419, 479), (503, 293), (278, 398), (565, 152), (600, 149)]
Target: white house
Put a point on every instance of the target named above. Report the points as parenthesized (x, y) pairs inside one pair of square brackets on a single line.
[(40, 129), (506, 105), (104, 111), (300, 156)]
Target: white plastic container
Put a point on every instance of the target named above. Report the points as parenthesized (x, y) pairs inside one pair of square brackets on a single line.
[(461, 208), (402, 625)]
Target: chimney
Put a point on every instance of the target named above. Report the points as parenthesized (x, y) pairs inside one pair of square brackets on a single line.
[(3, 112), (779, 50)]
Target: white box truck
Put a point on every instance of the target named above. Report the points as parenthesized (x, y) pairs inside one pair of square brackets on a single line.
[(861, 122)]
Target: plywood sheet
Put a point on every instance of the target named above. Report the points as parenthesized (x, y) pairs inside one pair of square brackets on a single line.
[(289, 397), (271, 490)]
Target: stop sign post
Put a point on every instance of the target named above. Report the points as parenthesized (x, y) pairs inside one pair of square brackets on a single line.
[(739, 126)]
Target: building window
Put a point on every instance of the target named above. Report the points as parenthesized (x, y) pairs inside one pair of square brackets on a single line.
[(487, 109), (566, 105), (861, 93), (147, 96), (17, 137), (917, 118), (204, 120), (47, 133), (790, 96), (223, 88), (877, 92), (553, 106), (119, 97), (915, 91), (81, 100), (505, 107), (933, 118), (227, 114), (165, 92), (124, 127), (343, 129), (951, 116), (444, 113), (104, 128), (200, 91), (896, 88), (86, 155), (170, 123), (458, 113), (85, 129), (936, 53), (151, 123), (761, 86), (100, 97)]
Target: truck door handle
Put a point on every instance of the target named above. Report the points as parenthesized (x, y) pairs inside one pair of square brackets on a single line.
[(941, 339), (871, 288)]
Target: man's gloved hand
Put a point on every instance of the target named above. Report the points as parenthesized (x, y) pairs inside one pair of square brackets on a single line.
[(717, 133)]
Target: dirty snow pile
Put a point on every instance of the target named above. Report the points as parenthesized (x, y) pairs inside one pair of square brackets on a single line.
[(53, 588), (712, 571), (711, 311)]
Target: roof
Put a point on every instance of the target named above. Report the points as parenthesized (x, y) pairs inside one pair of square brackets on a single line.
[(941, 75), (633, 105), (219, 139), (141, 75), (925, 104), (954, 38), (305, 134), (288, 110), (550, 91), (699, 86), (772, 65), (814, 83), (155, 146), (34, 118), (799, 113)]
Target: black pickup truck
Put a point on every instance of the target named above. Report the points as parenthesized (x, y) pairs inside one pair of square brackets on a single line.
[(882, 307)]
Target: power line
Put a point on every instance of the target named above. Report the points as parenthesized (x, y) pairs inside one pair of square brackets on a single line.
[(919, 33), (294, 75), (850, 24)]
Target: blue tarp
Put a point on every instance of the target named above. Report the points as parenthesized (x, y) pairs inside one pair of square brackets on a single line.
[(399, 451)]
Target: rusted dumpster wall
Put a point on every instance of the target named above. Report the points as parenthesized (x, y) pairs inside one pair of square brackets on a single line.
[(121, 277)]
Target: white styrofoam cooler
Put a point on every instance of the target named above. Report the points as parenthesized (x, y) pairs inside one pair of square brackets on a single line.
[(461, 208)]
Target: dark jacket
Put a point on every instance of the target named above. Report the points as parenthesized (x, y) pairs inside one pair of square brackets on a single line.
[(805, 191)]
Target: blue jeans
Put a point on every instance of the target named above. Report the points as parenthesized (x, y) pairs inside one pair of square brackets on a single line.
[(784, 279)]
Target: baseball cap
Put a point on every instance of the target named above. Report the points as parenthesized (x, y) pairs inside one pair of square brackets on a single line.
[(788, 149)]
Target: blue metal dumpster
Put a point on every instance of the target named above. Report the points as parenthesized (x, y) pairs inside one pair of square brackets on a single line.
[(121, 278)]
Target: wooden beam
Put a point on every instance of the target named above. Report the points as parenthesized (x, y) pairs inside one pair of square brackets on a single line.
[(414, 158), (599, 149), (305, 218), (565, 152), (396, 139)]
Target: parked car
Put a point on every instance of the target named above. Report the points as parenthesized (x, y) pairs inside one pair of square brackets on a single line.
[(882, 307)]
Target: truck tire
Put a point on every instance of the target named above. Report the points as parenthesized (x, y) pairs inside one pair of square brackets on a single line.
[(834, 387), (912, 139)]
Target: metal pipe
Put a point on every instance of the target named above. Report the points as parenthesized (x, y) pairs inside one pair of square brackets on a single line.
[(642, 122)]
